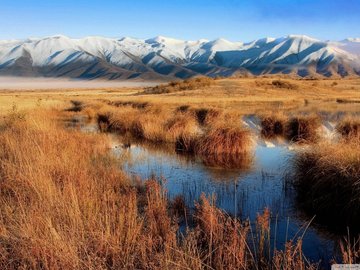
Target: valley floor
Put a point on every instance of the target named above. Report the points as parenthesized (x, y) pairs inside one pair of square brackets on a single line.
[(67, 202), (246, 95)]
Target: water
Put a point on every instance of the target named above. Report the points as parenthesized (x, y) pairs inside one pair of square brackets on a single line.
[(240, 192)]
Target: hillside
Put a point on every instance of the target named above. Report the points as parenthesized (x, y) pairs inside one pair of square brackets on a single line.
[(166, 58)]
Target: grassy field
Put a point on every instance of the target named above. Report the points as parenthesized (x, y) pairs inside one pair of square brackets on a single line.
[(247, 95), (65, 204)]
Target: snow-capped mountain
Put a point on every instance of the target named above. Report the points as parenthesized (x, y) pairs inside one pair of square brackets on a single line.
[(167, 58)]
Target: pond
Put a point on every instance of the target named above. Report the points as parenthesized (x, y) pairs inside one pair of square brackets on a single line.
[(242, 192), (263, 182)]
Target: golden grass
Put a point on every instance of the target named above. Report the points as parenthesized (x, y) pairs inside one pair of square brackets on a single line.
[(244, 95), (224, 140), (273, 125), (303, 129), (176, 86), (327, 177), (349, 128), (65, 204)]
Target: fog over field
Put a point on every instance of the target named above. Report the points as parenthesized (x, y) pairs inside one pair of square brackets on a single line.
[(22, 83)]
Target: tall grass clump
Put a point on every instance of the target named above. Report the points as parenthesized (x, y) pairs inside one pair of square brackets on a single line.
[(328, 179), (206, 116), (225, 146), (273, 126), (116, 120), (284, 84), (303, 129), (225, 140), (180, 126), (349, 128), (176, 86), (64, 203)]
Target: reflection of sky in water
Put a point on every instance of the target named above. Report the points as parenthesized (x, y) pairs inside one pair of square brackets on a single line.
[(243, 194)]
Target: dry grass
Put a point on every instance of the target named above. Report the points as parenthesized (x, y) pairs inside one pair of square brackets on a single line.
[(180, 125), (303, 129), (349, 128), (224, 140), (176, 86), (284, 84), (327, 177), (66, 205), (154, 124), (207, 116), (61, 199), (273, 125)]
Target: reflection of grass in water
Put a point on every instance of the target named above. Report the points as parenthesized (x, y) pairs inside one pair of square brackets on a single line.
[(228, 161)]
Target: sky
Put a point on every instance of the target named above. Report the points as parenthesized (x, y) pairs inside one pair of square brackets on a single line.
[(235, 20)]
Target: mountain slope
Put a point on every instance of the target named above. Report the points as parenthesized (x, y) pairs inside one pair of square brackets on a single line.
[(167, 58)]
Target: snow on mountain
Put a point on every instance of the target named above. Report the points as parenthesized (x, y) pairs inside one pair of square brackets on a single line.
[(168, 58)]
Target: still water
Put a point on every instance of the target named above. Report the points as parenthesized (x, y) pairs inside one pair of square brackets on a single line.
[(243, 192)]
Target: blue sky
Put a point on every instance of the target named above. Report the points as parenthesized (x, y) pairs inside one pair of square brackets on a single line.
[(236, 20)]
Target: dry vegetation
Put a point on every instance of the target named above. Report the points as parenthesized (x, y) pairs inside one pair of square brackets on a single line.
[(66, 205), (295, 129), (327, 177), (303, 129), (177, 86), (273, 125), (349, 128)]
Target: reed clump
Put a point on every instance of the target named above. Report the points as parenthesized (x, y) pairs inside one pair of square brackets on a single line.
[(116, 120), (273, 125), (176, 86), (207, 116), (349, 128), (182, 125), (186, 144), (284, 84), (222, 139), (328, 178), (303, 129), (77, 106)]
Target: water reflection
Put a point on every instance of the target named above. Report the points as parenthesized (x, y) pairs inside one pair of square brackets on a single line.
[(242, 192)]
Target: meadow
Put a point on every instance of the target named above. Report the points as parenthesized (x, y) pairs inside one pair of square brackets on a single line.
[(67, 204)]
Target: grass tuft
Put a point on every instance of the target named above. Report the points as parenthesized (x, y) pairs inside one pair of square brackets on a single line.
[(328, 179), (303, 129)]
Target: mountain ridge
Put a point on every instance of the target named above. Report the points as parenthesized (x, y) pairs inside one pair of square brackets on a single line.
[(163, 58)]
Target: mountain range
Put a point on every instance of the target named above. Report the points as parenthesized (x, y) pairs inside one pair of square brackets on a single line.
[(167, 58)]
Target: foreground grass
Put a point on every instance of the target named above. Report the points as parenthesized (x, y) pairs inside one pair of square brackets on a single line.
[(327, 178), (65, 205)]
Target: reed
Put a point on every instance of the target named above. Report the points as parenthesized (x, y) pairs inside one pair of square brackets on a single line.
[(303, 129), (176, 86), (206, 116), (273, 125), (327, 178), (224, 140), (349, 128)]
